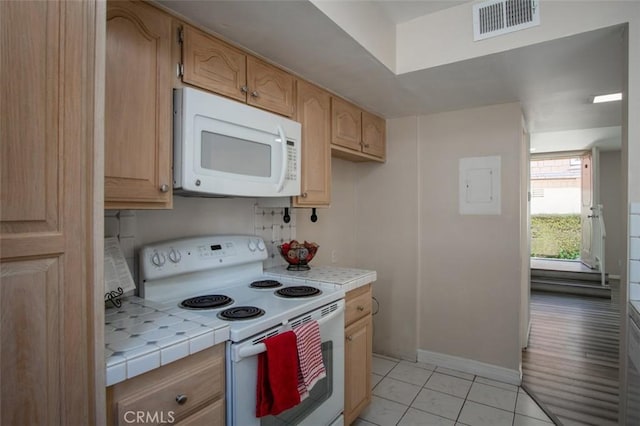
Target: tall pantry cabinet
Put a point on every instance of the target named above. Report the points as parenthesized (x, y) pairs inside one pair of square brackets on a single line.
[(51, 327)]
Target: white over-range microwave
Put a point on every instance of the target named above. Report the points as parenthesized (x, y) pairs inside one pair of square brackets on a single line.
[(225, 148)]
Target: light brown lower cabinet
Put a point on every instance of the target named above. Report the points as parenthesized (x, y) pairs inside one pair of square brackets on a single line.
[(189, 391), (358, 352)]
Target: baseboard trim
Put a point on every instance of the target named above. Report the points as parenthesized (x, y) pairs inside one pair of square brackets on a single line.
[(478, 368)]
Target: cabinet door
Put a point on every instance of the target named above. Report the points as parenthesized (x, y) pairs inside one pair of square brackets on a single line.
[(269, 87), (346, 124), (138, 107), (314, 113), (213, 65), (48, 328), (357, 367), (373, 134)]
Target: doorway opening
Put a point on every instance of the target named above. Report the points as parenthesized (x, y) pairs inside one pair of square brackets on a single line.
[(555, 207), (567, 226)]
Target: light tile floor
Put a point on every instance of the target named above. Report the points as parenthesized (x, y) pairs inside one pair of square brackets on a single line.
[(418, 394)]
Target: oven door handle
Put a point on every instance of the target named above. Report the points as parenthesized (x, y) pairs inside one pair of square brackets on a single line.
[(258, 348)]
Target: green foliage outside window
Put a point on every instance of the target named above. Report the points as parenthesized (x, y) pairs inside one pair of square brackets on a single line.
[(555, 236)]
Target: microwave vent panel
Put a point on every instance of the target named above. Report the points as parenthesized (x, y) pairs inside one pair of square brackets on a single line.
[(495, 17)]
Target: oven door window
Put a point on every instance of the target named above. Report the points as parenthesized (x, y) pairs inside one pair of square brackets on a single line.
[(228, 154), (318, 395)]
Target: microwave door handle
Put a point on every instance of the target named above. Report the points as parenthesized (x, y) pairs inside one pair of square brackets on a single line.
[(285, 159)]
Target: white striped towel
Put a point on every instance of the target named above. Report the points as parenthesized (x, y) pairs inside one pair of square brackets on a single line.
[(309, 356)]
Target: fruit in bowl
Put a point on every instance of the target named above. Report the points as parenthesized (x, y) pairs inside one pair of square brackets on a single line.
[(297, 254)]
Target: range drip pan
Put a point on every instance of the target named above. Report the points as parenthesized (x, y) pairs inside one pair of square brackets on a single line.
[(265, 284), (208, 301), (298, 291), (241, 313)]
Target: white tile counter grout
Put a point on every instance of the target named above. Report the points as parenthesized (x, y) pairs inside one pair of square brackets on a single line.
[(142, 335), (346, 279)]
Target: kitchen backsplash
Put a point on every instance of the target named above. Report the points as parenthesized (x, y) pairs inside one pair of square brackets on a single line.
[(267, 222), (634, 252), (122, 224)]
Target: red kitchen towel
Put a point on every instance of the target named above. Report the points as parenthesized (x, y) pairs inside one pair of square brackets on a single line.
[(309, 355), (277, 388)]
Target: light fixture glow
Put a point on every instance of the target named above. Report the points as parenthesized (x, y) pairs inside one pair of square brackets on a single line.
[(532, 149), (607, 98)]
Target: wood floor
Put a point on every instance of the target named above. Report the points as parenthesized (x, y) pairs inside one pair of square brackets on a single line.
[(571, 363)]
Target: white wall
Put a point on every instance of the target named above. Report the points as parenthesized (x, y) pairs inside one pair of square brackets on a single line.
[(470, 285), (611, 198), (557, 201), (446, 283), (387, 235), (335, 228), (193, 216)]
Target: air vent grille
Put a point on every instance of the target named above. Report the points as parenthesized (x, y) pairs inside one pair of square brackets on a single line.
[(496, 17)]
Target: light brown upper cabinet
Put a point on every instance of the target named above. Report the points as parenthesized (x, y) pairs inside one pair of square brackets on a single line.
[(314, 113), (356, 135), (138, 107), (373, 134), (346, 124), (214, 65)]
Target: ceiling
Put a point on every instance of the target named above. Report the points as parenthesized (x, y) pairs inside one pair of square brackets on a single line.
[(554, 81), (400, 11)]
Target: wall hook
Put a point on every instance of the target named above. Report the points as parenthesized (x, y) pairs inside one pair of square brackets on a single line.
[(314, 216), (286, 216)]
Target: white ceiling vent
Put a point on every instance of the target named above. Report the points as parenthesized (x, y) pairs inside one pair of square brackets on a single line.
[(495, 17)]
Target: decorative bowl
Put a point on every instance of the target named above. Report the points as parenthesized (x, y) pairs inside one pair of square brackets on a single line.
[(298, 255)]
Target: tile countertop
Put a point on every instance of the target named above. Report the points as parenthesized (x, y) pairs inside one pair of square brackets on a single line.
[(345, 278), (142, 335)]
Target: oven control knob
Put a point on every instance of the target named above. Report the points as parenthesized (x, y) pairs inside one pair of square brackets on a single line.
[(175, 256), (252, 245), (158, 259), (261, 245)]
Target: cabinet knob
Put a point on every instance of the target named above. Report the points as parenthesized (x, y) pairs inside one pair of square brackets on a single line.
[(164, 188), (255, 94), (181, 399), (244, 89), (349, 338), (304, 195), (360, 308)]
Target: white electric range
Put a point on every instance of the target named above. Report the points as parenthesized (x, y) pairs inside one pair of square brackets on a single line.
[(221, 277)]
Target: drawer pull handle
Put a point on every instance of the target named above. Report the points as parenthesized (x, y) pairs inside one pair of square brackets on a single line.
[(181, 399), (360, 308), (349, 338)]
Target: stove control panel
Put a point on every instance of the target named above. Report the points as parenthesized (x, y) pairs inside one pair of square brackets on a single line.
[(182, 256)]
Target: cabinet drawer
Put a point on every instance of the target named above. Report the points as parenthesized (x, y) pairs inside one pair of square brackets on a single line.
[(198, 387), (358, 304), (199, 377), (211, 415)]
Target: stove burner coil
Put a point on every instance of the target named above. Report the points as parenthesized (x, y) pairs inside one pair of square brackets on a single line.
[(241, 313), (208, 301), (266, 284), (298, 291)]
